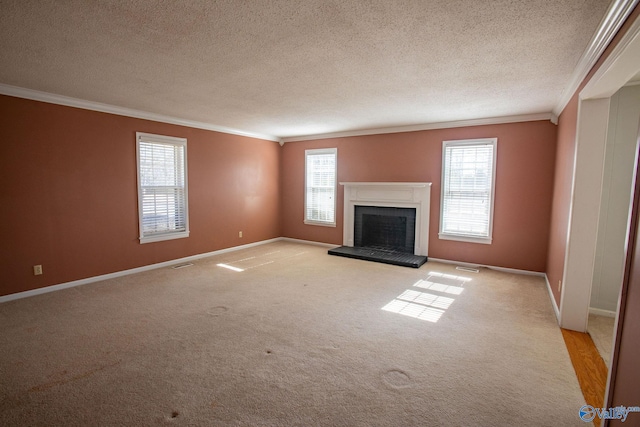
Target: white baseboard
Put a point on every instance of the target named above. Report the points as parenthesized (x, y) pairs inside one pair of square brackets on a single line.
[(553, 299), (309, 242), (94, 279), (491, 267), (601, 312)]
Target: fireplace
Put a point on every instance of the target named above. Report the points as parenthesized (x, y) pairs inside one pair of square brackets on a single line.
[(386, 222)]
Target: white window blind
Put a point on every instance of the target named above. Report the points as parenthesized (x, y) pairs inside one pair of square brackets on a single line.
[(320, 186), (468, 178), (162, 187)]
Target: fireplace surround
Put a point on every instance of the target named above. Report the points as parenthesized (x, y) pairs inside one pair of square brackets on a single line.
[(408, 200)]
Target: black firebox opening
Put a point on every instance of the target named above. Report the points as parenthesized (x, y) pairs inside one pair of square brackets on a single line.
[(385, 228)]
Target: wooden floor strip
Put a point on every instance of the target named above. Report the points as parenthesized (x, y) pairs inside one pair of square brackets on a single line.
[(589, 366)]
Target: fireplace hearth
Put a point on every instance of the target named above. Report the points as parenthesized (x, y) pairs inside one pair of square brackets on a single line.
[(386, 222), (380, 255)]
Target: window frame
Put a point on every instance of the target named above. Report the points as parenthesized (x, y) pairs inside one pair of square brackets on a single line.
[(319, 151), (465, 237), (142, 137)]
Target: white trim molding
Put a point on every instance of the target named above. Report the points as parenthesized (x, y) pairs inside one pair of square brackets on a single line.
[(309, 242), (556, 310), (428, 126), (490, 267), (67, 101), (616, 15), (619, 67)]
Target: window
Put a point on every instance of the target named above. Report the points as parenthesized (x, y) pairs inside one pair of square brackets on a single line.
[(320, 187), (162, 187), (468, 181)]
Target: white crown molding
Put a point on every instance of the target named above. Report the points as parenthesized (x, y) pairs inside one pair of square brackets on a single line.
[(52, 98), (616, 15), (428, 126), (618, 68)]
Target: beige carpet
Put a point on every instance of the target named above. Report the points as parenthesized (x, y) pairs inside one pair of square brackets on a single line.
[(298, 338)]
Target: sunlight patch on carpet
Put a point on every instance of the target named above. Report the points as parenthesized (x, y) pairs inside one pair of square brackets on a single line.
[(426, 298), (444, 278), (230, 267), (249, 263), (426, 305), (417, 311), (439, 287)]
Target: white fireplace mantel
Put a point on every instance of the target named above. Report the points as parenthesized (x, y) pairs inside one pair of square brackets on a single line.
[(389, 194)]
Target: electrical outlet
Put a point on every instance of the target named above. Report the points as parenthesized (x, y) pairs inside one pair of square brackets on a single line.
[(559, 285), (240, 234), (37, 270)]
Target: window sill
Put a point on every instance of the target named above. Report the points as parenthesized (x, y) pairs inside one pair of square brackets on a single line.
[(323, 224), (161, 237), (463, 238)]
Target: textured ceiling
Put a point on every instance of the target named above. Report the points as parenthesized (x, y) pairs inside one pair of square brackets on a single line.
[(293, 68)]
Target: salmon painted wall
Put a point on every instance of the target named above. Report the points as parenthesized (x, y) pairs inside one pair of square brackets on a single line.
[(69, 194), (565, 157), (524, 184)]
